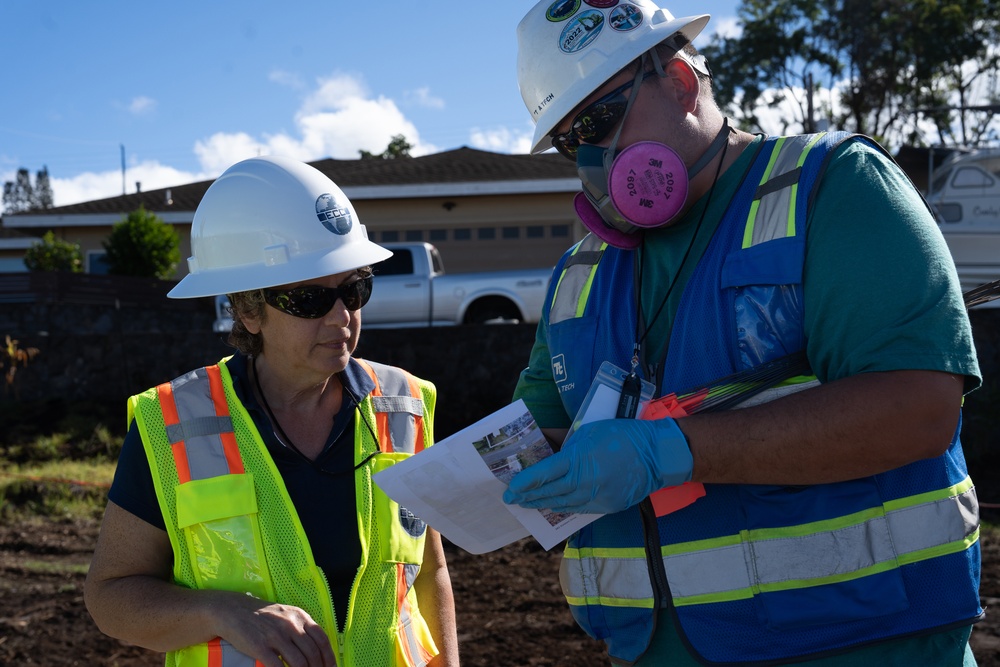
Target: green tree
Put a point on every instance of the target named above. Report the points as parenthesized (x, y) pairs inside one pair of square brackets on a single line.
[(52, 254), (20, 195), (397, 148), (141, 244), (886, 59)]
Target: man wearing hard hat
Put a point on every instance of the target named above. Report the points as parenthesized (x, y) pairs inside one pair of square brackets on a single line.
[(838, 525)]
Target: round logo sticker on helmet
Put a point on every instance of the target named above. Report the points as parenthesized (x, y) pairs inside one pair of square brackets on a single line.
[(581, 31), (625, 17), (412, 524), (560, 10), (602, 4), (334, 217)]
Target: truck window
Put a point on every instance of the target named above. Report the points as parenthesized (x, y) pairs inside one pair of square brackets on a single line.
[(400, 264)]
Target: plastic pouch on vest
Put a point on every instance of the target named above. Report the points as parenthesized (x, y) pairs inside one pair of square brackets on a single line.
[(218, 517), (405, 543), (602, 399), (831, 560)]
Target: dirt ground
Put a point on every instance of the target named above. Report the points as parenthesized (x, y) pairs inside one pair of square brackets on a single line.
[(510, 610)]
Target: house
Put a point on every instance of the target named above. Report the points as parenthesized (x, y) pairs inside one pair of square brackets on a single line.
[(482, 210)]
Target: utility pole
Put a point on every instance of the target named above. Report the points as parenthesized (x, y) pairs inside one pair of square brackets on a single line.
[(123, 167)]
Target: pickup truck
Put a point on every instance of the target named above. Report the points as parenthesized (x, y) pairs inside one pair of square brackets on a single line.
[(411, 289)]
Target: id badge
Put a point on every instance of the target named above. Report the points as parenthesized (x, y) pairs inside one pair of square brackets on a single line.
[(614, 391)]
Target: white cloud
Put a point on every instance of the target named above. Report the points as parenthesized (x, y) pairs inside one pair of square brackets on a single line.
[(151, 174), (501, 140), (287, 79), (141, 105), (422, 97)]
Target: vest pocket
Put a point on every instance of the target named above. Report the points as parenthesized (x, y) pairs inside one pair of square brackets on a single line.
[(404, 531), (831, 560), (218, 519)]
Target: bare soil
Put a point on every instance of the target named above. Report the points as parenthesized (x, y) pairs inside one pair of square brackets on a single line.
[(510, 610)]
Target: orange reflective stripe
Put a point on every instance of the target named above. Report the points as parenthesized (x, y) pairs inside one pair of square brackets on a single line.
[(415, 653), (229, 446), (381, 418), (215, 653), (168, 407)]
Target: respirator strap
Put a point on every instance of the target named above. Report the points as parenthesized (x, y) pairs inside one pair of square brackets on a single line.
[(721, 139)]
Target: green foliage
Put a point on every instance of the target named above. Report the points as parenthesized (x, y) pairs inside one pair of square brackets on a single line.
[(399, 147), (20, 195), (887, 58), (52, 254), (143, 245)]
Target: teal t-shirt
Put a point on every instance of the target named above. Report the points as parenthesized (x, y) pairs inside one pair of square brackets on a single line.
[(881, 293)]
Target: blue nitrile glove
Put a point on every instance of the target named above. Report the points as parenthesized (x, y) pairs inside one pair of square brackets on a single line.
[(605, 466)]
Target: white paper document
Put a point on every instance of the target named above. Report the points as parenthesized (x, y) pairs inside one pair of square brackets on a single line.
[(457, 485)]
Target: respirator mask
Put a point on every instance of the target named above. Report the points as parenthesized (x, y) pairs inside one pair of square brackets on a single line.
[(640, 187)]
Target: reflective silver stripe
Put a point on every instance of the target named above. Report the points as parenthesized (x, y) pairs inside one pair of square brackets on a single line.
[(407, 404), (410, 571), (233, 658), (574, 282), (773, 209), (199, 427), (610, 578), (398, 405), (739, 566)]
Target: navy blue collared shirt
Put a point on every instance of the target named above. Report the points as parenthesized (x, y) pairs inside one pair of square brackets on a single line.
[(321, 490)]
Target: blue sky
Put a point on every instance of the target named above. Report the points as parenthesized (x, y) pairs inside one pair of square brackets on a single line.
[(189, 88)]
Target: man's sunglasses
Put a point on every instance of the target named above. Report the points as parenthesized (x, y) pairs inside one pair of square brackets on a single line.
[(314, 301), (596, 122)]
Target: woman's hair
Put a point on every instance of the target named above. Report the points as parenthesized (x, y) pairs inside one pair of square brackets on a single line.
[(250, 304)]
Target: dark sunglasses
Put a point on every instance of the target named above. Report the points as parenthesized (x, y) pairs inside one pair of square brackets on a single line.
[(314, 301), (596, 122)]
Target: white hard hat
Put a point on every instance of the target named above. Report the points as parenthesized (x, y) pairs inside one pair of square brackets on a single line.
[(270, 221), (567, 49)]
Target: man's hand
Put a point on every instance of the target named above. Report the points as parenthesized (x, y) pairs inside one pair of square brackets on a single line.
[(606, 466)]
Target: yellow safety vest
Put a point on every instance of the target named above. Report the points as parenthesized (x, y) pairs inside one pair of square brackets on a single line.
[(232, 525)]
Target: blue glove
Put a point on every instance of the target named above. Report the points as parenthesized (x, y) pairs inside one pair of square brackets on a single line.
[(606, 466)]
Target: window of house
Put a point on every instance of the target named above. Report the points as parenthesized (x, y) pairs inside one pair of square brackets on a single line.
[(438, 235), (510, 233), (414, 235), (560, 231), (463, 234), (534, 231), (486, 233), (390, 237), (97, 262)]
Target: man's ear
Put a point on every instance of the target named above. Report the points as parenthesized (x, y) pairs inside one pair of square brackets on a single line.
[(686, 83)]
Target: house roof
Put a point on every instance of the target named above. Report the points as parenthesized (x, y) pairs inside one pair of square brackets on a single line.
[(458, 172)]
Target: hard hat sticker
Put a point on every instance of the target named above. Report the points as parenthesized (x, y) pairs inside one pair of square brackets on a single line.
[(560, 10), (334, 217), (602, 4), (581, 31), (626, 17)]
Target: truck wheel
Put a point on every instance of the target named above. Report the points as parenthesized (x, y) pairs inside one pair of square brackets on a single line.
[(492, 311)]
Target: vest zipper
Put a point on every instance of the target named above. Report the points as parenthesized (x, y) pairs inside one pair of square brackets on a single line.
[(654, 559)]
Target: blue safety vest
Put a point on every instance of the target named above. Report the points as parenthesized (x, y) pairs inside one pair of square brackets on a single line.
[(755, 573)]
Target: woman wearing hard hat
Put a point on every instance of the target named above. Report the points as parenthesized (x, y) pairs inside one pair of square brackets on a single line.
[(242, 526)]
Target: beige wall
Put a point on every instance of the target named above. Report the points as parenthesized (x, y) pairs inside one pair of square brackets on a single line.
[(528, 231)]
